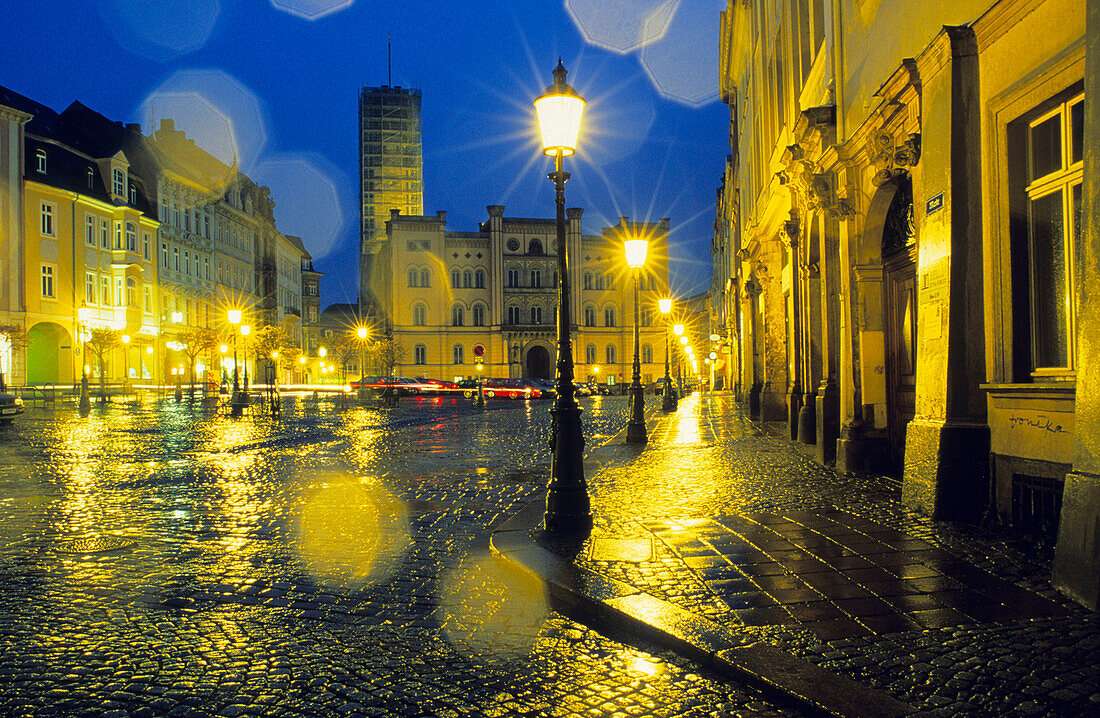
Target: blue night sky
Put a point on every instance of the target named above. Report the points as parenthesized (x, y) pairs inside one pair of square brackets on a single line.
[(274, 83)]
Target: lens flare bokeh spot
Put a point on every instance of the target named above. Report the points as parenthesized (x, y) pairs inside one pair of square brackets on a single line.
[(622, 25), (311, 9), (307, 200), (683, 64), (161, 30), (350, 531)]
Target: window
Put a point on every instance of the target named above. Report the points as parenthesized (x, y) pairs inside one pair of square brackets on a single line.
[(534, 247), (647, 354), (599, 281), (1053, 171), (646, 314), (467, 279), (479, 279), (609, 317), (89, 230), (164, 254), (609, 353), (420, 315), (479, 315), (148, 299), (131, 292), (412, 275), (48, 272), (420, 354), (145, 246), (456, 279), (186, 262), (458, 315), (513, 315), (513, 277), (536, 315), (119, 184), (89, 287), (425, 278), (118, 235), (590, 316), (587, 280), (555, 279), (163, 209), (131, 237), (206, 267), (459, 354), (41, 157), (133, 194), (105, 291), (119, 296), (590, 354), (47, 223), (104, 235), (176, 258), (536, 278)]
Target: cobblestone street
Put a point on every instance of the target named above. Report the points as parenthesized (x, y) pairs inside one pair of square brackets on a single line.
[(155, 560)]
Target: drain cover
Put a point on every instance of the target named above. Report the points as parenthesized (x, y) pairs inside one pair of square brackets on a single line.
[(94, 544)]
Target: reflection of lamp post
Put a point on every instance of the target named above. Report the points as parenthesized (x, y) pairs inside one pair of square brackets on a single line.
[(125, 359), (568, 508), (479, 402), (245, 331), (237, 399), (83, 315), (362, 333), (668, 399), (635, 250), (678, 330)]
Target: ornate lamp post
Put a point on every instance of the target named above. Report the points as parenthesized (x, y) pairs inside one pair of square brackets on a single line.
[(678, 330), (246, 330), (568, 509), (362, 332), (668, 399), (635, 428), (237, 401), (83, 315), (479, 400)]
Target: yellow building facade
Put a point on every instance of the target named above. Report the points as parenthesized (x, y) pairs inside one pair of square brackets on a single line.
[(455, 300)]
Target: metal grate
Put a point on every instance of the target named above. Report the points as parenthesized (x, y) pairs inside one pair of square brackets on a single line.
[(94, 544), (1036, 504)]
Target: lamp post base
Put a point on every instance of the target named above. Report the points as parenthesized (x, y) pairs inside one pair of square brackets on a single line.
[(568, 508), (85, 399), (635, 428), (668, 399)]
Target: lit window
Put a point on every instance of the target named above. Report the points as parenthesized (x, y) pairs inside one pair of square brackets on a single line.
[(47, 280), (105, 291), (131, 292), (47, 223)]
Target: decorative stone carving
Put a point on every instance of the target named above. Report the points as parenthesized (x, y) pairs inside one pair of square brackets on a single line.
[(893, 159)]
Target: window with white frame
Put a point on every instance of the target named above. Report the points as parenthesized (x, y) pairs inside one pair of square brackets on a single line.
[(49, 271), (148, 299), (131, 237), (131, 292), (1049, 152), (90, 177), (89, 230), (119, 183), (145, 245), (90, 287), (47, 223), (164, 254), (40, 156), (104, 234), (105, 291)]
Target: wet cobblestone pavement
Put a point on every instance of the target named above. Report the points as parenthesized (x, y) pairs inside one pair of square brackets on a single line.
[(720, 518), (156, 559)]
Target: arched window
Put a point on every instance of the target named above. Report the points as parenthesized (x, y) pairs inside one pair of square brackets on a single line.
[(458, 316), (610, 353), (467, 279), (479, 315), (590, 354), (412, 277), (479, 279), (599, 281), (647, 354), (420, 354), (420, 315), (587, 280), (513, 277), (513, 315), (131, 292), (536, 278), (425, 278), (609, 317), (119, 183), (536, 315), (456, 279), (131, 237), (459, 354), (610, 282), (590, 316), (534, 247)]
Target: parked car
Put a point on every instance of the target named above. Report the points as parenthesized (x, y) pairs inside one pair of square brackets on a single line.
[(11, 406), (581, 389), (510, 389), (659, 386), (435, 387), (403, 386), (547, 386)]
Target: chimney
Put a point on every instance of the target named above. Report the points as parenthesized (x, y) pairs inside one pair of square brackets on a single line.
[(442, 215)]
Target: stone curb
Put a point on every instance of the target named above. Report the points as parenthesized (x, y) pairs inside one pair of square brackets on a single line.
[(610, 606)]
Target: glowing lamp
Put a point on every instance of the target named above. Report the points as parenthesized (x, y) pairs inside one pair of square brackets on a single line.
[(125, 338), (234, 316), (678, 330), (665, 305), (635, 252), (223, 348), (362, 332), (322, 352), (246, 329), (559, 110), (684, 341)]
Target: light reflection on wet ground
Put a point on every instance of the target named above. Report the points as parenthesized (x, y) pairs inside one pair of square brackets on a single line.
[(332, 562)]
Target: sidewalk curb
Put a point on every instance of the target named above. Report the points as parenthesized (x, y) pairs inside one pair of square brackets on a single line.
[(610, 606)]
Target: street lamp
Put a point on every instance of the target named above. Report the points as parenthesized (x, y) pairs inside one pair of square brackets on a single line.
[(568, 509), (237, 400), (479, 401), (635, 250), (668, 399), (246, 330), (362, 332), (83, 315)]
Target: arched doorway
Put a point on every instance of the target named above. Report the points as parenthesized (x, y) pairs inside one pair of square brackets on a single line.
[(899, 274), (49, 355), (538, 362)]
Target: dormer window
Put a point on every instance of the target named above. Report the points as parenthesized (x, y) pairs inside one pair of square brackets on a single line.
[(119, 184), (41, 157), (133, 194), (91, 177)]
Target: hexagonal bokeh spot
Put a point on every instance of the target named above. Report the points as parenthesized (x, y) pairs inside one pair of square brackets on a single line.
[(683, 64), (305, 188), (222, 116), (311, 9), (622, 25), (161, 29)]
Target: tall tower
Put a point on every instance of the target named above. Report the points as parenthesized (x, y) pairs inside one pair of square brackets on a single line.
[(391, 174)]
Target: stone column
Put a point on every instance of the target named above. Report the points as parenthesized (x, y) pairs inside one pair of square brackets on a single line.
[(1077, 554), (947, 443), (811, 322), (794, 395)]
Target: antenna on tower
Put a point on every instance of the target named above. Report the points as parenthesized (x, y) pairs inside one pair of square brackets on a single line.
[(389, 60)]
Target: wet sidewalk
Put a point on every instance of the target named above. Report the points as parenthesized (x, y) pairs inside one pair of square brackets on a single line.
[(721, 537)]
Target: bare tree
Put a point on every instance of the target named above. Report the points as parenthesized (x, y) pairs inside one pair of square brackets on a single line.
[(388, 352), (12, 337), (102, 341), (197, 341)]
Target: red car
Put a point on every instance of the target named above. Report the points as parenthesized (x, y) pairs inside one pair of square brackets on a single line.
[(435, 386), (511, 389), (404, 387)]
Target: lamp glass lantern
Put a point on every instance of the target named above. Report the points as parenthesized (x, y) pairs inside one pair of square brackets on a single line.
[(678, 330), (636, 250), (559, 112), (665, 305)]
